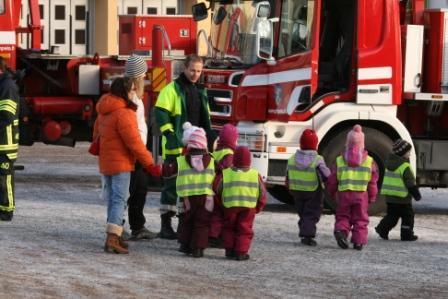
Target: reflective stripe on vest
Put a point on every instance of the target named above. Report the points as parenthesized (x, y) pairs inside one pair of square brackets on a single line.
[(353, 178), (303, 179), (218, 155), (240, 188), (190, 182), (9, 136), (393, 183)]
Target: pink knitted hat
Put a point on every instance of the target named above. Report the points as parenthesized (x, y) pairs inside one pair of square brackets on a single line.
[(197, 139), (355, 137), (228, 136)]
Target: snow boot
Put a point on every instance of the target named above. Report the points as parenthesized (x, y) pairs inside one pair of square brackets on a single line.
[(308, 241), (214, 242), (407, 234), (357, 246), (112, 244), (142, 234), (166, 230), (383, 235), (197, 252), (185, 249), (230, 254), (242, 257), (341, 239), (6, 216), (122, 242)]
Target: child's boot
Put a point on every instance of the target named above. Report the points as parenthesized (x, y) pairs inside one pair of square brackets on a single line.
[(357, 246), (230, 254), (341, 239), (185, 249), (197, 252), (242, 256), (407, 234), (308, 241), (383, 235)]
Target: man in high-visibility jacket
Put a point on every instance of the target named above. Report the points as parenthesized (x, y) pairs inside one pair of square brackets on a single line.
[(353, 183), (9, 140), (182, 100), (399, 187), (242, 194)]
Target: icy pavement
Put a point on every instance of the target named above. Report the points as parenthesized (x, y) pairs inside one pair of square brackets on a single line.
[(53, 249)]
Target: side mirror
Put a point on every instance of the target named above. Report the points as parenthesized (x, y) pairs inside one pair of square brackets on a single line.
[(199, 12), (264, 40), (220, 15)]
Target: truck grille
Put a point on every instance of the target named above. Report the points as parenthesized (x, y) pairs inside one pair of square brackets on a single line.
[(220, 102), (277, 168)]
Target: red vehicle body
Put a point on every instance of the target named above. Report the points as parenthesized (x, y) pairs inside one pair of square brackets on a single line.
[(275, 68), (61, 91)]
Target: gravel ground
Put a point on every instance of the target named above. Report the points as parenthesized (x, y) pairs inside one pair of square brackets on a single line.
[(53, 248)]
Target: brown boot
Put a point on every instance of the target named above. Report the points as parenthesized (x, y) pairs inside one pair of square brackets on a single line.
[(112, 244), (123, 243)]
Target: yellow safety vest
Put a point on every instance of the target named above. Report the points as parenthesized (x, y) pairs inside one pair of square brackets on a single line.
[(218, 155), (9, 136), (393, 183), (190, 182), (353, 178), (303, 179), (240, 188)]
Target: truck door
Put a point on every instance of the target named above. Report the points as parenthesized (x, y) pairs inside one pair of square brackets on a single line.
[(294, 76)]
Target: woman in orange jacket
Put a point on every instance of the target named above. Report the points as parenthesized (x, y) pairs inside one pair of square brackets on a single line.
[(120, 145)]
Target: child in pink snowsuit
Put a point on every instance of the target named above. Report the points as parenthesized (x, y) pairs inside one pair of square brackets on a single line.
[(223, 156), (353, 181)]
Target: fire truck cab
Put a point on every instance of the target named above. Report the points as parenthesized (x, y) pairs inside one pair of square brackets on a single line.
[(276, 68)]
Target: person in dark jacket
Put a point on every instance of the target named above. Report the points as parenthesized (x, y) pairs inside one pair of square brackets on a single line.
[(9, 140), (183, 100), (306, 171), (399, 187)]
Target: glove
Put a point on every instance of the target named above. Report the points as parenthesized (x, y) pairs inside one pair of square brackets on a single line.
[(154, 170)]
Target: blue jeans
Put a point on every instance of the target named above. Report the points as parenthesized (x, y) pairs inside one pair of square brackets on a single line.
[(116, 192)]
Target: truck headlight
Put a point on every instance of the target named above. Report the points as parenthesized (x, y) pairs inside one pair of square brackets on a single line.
[(255, 142)]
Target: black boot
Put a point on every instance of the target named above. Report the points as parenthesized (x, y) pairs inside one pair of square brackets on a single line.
[(230, 254), (407, 234), (383, 235), (308, 241), (166, 229), (341, 239), (6, 216), (197, 252), (185, 249)]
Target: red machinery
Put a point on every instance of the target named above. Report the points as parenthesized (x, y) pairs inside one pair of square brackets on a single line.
[(275, 68)]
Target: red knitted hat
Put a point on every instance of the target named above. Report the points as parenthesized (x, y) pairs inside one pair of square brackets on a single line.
[(308, 140), (242, 157), (228, 136)]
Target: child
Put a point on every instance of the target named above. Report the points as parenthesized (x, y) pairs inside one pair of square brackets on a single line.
[(242, 195), (399, 187), (353, 181), (195, 175), (223, 156), (306, 169)]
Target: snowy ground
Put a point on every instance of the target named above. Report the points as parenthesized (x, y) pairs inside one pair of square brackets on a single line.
[(53, 248)]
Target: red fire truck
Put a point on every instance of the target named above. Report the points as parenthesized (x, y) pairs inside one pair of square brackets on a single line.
[(61, 90), (275, 68)]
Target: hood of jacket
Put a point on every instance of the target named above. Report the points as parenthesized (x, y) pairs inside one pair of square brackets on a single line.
[(355, 156), (393, 162), (109, 103), (303, 158)]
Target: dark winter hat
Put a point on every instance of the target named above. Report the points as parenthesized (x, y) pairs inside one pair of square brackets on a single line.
[(242, 157), (401, 147), (308, 140), (135, 67), (228, 136)]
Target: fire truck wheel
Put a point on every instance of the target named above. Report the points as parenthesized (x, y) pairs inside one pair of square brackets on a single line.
[(281, 194), (377, 144)]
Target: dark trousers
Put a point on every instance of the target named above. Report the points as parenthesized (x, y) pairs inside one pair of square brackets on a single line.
[(309, 209), (394, 213), (138, 189), (168, 198), (7, 202), (237, 230), (196, 223)]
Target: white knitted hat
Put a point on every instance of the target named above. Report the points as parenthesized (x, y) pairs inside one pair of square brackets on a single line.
[(135, 67)]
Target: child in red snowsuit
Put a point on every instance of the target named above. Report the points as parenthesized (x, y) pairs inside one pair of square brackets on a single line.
[(223, 156), (242, 193), (353, 181), (195, 175)]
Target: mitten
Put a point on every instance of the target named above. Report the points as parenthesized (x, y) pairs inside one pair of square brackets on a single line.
[(154, 170)]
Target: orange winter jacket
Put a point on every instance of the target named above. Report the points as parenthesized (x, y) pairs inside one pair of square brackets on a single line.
[(120, 141)]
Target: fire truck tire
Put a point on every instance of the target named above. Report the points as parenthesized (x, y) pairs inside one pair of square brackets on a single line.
[(377, 144), (281, 194)]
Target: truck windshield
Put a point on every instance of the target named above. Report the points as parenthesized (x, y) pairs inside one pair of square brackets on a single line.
[(233, 32), (2, 6)]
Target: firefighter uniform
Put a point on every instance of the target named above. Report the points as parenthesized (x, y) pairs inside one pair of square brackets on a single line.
[(9, 143)]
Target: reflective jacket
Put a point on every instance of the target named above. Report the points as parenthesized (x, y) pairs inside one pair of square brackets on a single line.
[(353, 178), (303, 179), (240, 188), (190, 182), (393, 183), (9, 117)]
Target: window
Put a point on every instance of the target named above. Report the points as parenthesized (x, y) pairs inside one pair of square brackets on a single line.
[(295, 27), (59, 12), (41, 11), (80, 37), (80, 13), (42, 37), (2, 6), (170, 10), (151, 10), (132, 10), (59, 36)]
